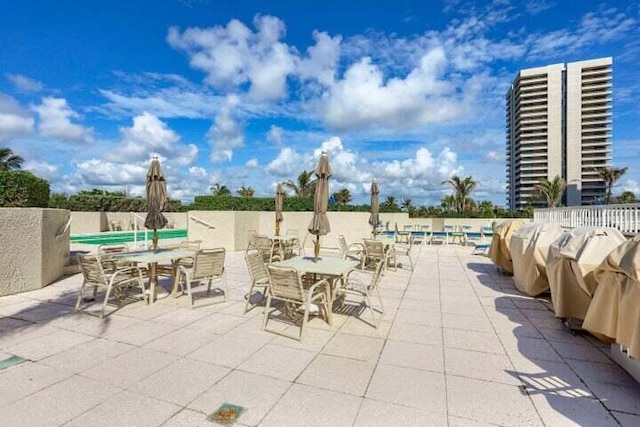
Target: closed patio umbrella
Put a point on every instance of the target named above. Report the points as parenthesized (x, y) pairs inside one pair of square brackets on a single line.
[(156, 200), (319, 225), (279, 217), (374, 218)]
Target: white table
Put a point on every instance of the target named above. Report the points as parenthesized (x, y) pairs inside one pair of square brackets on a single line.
[(152, 258)]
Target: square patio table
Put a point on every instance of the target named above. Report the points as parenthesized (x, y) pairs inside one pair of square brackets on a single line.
[(152, 258), (337, 268)]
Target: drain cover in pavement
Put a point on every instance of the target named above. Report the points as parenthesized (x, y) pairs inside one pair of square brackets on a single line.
[(227, 414)]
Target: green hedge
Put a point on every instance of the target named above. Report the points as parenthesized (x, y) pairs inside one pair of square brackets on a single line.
[(289, 204), (105, 203), (19, 189)]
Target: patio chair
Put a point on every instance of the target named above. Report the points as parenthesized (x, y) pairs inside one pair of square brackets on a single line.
[(401, 235), (471, 237), (267, 248), (286, 285), (426, 233), (353, 251), (171, 270), (404, 249), (353, 285), (258, 274), (251, 234), (95, 275), (377, 251), (208, 265)]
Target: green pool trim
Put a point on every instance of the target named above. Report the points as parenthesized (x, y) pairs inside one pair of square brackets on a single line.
[(114, 237)]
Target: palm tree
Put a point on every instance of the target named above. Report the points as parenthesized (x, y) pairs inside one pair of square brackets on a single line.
[(610, 176), (462, 189), (342, 196), (551, 191), (220, 190), (391, 202), (627, 197), (304, 187), (449, 202), (245, 191), (8, 160)]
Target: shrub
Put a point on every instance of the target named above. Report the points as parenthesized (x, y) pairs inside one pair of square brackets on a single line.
[(106, 203), (19, 189)]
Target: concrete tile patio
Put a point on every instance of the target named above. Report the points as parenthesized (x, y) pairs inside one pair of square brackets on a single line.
[(457, 346)]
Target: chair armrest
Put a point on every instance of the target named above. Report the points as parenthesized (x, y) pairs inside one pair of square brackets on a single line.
[(312, 288)]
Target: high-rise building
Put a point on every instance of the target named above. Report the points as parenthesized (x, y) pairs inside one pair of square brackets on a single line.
[(559, 124)]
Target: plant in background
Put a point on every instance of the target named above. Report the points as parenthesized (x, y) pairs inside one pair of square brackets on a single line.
[(305, 185), (626, 197), (343, 196), (9, 161), (550, 191), (246, 191), (610, 176), (462, 188), (220, 190)]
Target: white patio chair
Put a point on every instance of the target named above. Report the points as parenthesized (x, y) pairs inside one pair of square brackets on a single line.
[(258, 274), (267, 248), (171, 270), (404, 249), (353, 251), (401, 236), (425, 231), (208, 265), (95, 275), (378, 252), (353, 285), (286, 285)]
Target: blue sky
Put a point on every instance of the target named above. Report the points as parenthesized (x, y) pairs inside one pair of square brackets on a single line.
[(250, 92)]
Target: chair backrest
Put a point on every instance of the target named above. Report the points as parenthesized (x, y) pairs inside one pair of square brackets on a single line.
[(92, 270), (448, 227), (208, 263), (374, 248), (112, 249), (486, 229), (285, 283), (425, 227), (265, 245), (255, 264), (408, 227), (190, 244), (467, 228), (343, 244)]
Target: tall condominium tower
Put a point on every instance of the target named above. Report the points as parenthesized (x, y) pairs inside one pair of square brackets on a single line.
[(559, 124)]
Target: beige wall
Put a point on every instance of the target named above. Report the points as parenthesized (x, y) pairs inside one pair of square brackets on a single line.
[(31, 256), (96, 222)]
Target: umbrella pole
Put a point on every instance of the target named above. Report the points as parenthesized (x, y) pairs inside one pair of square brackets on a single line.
[(154, 243), (316, 247), (277, 228)]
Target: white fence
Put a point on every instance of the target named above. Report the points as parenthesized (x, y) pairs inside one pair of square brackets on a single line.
[(625, 218)]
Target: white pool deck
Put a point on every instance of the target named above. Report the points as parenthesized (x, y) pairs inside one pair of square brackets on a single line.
[(458, 346)]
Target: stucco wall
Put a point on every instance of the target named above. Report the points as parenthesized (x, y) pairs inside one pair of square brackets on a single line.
[(31, 256), (96, 222), (223, 235)]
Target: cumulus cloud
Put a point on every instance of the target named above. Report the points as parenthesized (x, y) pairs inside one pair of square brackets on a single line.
[(24, 83), (226, 134), (14, 120), (42, 169), (100, 172), (288, 163), (234, 55), (55, 121), (150, 136), (495, 156), (275, 134), (252, 163)]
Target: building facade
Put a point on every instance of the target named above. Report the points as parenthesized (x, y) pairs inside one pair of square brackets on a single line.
[(558, 123)]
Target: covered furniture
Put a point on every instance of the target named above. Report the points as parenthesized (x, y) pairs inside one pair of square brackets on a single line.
[(529, 250), (572, 259), (500, 251), (614, 313), (286, 285), (208, 265), (115, 279)]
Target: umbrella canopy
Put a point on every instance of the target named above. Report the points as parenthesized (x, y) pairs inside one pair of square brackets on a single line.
[(374, 218), (156, 199), (279, 217), (320, 223)]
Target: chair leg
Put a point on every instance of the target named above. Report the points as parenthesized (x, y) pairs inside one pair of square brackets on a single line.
[(373, 315), (224, 283), (188, 281), (305, 319), (106, 299), (246, 306), (79, 300), (328, 309), (266, 312), (380, 301)]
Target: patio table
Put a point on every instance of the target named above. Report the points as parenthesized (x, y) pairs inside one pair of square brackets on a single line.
[(335, 268), (152, 258)]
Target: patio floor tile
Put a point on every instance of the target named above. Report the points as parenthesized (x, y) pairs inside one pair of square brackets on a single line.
[(277, 361), (338, 373), (226, 350), (87, 355), (380, 414), (413, 355), (482, 366), (49, 344), (354, 347), (27, 378), (477, 341)]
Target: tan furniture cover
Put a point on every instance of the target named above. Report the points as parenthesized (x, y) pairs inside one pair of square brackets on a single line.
[(615, 309), (572, 259), (529, 251), (499, 252)]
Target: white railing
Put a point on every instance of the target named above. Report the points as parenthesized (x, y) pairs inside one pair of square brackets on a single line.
[(625, 217), (203, 222), (135, 217), (64, 229)]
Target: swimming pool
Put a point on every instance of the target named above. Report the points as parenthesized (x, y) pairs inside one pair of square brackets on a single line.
[(114, 237)]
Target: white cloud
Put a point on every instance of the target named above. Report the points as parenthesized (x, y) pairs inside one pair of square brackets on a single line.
[(632, 185), (55, 121), (225, 134), (252, 163), (24, 83), (495, 156), (150, 136), (100, 172), (288, 163), (14, 120), (42, 169), (275, 135), (235, 55)]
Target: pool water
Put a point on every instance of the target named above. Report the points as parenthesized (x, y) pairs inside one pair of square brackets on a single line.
[(115, 237)]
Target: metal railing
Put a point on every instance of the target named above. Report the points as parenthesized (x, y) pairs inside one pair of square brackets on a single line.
[(624, 217), (201, 221), (135, 218)]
